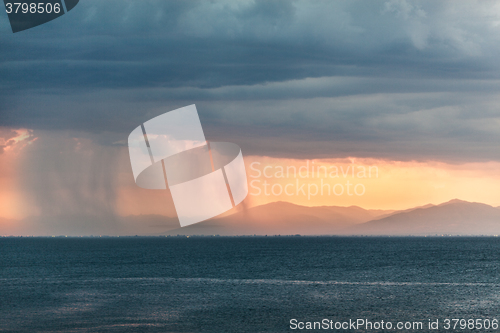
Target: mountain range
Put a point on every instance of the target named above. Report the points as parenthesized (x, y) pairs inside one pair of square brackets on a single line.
[(455, 217)]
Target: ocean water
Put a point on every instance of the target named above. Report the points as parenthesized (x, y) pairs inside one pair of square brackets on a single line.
[(243, 284)]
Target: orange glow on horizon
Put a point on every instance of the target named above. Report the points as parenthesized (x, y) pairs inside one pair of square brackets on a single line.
[(12, 142), (389, 185), (374, 184)]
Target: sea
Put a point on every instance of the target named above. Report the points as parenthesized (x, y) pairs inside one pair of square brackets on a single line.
[(249, 284)]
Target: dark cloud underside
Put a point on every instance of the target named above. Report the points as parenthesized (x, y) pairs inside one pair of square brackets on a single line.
[(391, 79)]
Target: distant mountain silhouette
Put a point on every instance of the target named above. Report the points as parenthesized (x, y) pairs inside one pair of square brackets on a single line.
[(283, 218), (455, 217)]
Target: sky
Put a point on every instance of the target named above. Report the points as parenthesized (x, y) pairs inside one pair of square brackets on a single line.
[(411, 87)]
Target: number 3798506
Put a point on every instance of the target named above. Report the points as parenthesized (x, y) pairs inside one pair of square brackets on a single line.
[(40, 8)]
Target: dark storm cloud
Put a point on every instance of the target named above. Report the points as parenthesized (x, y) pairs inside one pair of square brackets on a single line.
[(116, 44), (392, 79)]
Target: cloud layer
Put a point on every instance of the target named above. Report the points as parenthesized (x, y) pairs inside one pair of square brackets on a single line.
[(386, 79)]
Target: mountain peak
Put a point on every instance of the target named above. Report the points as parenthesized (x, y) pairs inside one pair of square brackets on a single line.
[(454, 201), (455, 217)]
